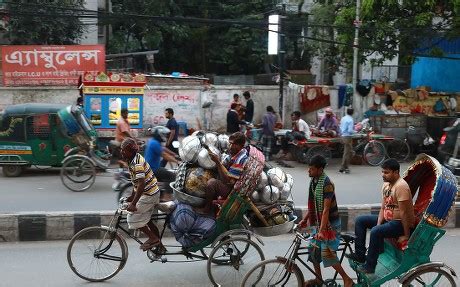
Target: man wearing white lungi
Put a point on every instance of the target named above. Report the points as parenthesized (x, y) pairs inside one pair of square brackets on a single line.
[(145, 195)]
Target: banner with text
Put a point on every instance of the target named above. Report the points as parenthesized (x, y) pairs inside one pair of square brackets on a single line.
[(50, 65)]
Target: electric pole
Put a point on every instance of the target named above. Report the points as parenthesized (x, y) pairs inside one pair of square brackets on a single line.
[(281, 62), (357, 101)]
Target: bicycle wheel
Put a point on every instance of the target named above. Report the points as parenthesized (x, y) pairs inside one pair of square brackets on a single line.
[(236, 256), (273, 272), (319, 150), (430, 277), (398, 149), (78, 173), (374, 153), (96, 253)]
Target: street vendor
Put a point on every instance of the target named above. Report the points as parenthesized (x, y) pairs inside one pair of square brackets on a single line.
[(229, 172), (300, 131), (373, 111), (328, 126)]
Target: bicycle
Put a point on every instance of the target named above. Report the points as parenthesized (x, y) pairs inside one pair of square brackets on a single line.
[(283, 271), (98, 253)]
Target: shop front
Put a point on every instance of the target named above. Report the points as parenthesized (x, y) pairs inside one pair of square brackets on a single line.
[(105, 95)]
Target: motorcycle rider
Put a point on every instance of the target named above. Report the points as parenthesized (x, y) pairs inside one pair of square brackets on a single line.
[(155, 152)]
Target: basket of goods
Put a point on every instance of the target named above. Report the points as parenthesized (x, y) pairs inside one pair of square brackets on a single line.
[(197, 168), (193, 189), (280, 219), (271, 198)]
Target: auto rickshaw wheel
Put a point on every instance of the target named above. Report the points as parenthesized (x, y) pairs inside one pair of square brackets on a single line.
[(78, 173), (12, 170)]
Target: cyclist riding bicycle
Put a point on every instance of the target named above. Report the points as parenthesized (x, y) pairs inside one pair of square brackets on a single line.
[(155, 151)]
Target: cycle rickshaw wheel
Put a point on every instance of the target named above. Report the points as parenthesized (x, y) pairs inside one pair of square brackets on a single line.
[(305, 154), (374, 153), (96, 254), (398, 149), (274, 272), (430, 277), (78, 173), (231, 259)]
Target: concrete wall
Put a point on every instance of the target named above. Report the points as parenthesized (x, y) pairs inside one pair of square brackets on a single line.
[(58, 95), (185, 100)]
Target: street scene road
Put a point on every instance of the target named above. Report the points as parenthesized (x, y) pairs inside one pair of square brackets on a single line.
[(42, 190), (44, 264)]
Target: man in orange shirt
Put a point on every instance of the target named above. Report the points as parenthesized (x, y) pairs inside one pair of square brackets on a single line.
[(123, 130), (395, 220)]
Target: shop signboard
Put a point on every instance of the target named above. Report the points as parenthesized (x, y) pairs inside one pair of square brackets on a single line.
[(33, 65)]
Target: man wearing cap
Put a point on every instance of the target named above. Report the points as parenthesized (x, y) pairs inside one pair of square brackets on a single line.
[(329, 125)]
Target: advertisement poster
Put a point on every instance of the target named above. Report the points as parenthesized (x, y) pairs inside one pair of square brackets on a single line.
[(50, 65)]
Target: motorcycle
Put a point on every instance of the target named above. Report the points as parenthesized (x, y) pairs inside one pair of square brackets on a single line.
[(123, 185)]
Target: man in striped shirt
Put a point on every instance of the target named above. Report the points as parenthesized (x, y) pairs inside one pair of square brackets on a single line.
[(229, 172), (145, 195)]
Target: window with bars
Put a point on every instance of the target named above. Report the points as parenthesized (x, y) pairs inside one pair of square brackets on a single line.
[(38, 126)]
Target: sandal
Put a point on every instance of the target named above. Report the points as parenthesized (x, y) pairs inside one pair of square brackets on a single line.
[(149, 245)]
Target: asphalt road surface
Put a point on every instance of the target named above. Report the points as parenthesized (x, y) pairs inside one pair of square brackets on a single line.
[(42, 190), (44, 264)]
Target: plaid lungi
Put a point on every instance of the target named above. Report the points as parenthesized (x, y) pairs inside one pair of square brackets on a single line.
[(267, 143)]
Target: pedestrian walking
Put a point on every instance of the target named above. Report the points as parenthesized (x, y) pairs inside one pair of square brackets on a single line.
[(323, 216), (347, 130), (173, 135), (249, 111), (268, 131)]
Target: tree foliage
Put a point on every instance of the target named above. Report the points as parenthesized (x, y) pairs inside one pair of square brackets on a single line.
[(196, 47), (30, 22), (394, 27)]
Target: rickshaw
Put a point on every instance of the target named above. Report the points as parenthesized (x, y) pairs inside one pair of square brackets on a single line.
[(80, 163), (434, 189), (53, 135), (98, 253)]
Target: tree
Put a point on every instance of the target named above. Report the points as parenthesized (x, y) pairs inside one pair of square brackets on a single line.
[(399, 27), (197, 47), (49, 23)]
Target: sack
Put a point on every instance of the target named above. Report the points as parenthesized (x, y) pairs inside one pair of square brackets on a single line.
[(190, 228)]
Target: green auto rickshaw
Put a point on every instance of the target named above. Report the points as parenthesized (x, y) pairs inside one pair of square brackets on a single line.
[(53, 135)]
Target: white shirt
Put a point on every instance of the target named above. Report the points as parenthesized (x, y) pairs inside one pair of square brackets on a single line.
[(303, 127)]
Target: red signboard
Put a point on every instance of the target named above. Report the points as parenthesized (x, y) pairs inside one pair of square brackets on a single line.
[(50, 65)]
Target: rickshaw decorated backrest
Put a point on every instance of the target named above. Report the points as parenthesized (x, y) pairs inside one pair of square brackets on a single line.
[(236, 204), (434, 187), (251, 171)]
